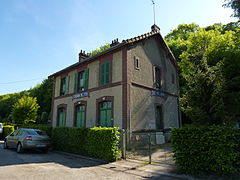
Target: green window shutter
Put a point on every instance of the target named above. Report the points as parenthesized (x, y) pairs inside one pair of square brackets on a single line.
[(67, 85), (58, 87), (86, 79), (64, 118), (105, 113), (80, 115), (102, 74), (107, 73), (76, 82)]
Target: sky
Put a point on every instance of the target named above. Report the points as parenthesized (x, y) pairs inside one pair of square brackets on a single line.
[(41, 37)]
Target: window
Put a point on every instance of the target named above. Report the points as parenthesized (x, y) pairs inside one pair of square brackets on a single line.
[(80, 115), (173, 79), (61, 117), (105, 113), (105, 73), (64, 86), (158, 77), (159, 118), (81, 81), (136, 63)]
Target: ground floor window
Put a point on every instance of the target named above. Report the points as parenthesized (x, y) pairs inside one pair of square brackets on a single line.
[(80, 115), (159, 118), (61, 116), (105, 114)]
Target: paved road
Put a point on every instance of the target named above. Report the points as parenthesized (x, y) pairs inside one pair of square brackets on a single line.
[(39, 166)]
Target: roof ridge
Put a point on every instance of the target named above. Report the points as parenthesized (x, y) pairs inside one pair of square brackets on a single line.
[(140, 37)]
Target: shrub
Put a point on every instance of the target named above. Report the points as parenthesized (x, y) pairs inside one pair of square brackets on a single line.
[(103, 143), (70, 139), (47, 129), (95, 142), (8, 129), (212, 149)]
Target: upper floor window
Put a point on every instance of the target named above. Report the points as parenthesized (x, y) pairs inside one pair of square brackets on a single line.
[(64, 86), (105, 73), (136, 63), (158, 77), (81, 81)]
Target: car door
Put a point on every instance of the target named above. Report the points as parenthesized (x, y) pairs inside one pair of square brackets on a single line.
[(10, 139), (16, 138)]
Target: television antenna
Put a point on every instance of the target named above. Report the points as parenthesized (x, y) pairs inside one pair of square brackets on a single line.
[(153, 3)]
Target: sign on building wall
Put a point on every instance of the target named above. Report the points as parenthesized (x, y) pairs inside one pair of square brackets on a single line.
[(158, 93), (80, 95)]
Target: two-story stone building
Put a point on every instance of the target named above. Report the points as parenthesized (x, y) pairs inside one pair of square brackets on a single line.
[(132, 85)]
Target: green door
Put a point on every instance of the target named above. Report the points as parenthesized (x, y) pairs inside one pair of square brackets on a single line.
[(80, 115), (159, 120), (105, 114), (61, 117)]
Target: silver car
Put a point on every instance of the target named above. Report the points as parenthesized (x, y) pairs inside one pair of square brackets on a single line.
[(27, 139), (1, 129)]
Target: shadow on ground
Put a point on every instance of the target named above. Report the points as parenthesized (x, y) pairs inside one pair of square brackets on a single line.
[(11, 157)]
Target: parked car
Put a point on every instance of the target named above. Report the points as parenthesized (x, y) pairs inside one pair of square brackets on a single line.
[(27, 139), (1, 129)]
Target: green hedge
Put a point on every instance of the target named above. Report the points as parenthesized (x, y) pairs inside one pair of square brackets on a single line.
[(95, 142), (103, 143), (46, 128), (7, 129), (70, 139), (212, 149)]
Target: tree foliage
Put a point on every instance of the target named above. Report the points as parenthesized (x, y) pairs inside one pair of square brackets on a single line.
[(25, 110), (235, 5), (6, 103), (102, 48), (43, 93), (210, 76)]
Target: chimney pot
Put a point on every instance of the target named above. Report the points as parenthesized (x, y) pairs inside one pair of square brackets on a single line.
[(114, 42), (83, 55)]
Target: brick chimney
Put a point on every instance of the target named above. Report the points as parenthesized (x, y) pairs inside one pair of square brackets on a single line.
[(83, 55), (155, 28), (114, 42)]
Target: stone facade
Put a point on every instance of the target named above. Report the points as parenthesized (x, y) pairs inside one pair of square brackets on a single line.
[(132, 88)]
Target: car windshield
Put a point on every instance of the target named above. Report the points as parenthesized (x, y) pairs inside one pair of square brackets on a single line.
[(31, 132), (35, 132)]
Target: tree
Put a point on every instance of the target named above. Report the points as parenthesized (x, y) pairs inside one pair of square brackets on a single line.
[(235, 5), (209, 74), (25, 110), (102, 48), (176, 39), (43, 93), (6, 103)]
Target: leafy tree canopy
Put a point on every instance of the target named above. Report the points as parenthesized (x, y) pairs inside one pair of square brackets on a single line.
[(43, 93), (102, 48), (209, 73), (235, 5), (25, 110)]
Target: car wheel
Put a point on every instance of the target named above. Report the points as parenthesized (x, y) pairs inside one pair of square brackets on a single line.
[(5, 146), (45, 150), (19, 148)]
